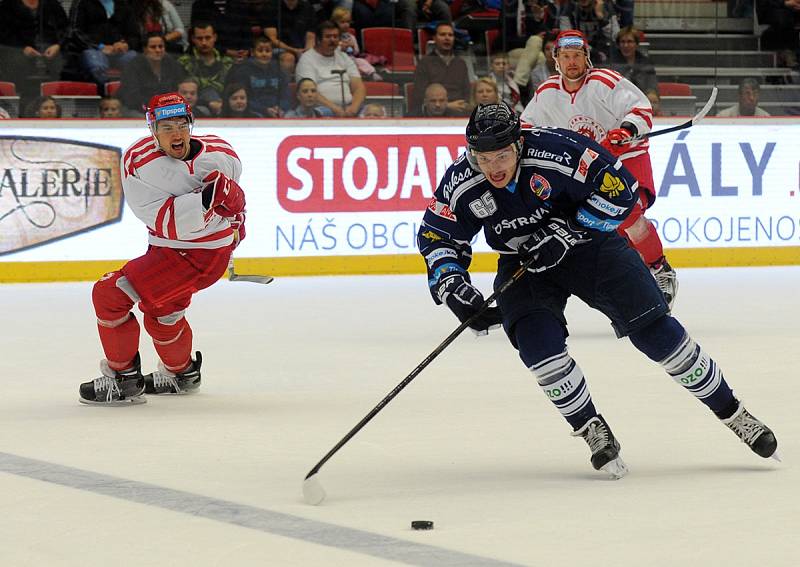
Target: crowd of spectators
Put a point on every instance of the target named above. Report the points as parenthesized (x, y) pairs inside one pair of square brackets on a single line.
[(302, 58)]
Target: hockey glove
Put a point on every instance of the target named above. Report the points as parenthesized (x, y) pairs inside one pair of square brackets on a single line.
[(237, 224), (550, 243), (222, 194), (464, 300), (620, 140)]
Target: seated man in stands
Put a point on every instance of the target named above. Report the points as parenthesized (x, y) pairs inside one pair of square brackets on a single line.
[(748, 101), (31, 33), (207, 65), (339, 84), (631, 63), (435, 102), (153, 72), (296, 33), (107, 34), (445, 67)]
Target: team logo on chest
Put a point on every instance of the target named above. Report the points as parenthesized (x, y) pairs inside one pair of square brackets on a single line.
[(587, 126), (540, 186)]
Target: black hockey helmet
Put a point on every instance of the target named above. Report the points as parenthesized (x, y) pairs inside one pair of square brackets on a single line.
[(492, 127)]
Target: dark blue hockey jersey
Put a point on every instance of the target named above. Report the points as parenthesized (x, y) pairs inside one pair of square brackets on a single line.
[(561, 174)]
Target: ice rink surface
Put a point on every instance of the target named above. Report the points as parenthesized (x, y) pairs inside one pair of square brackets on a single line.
[(472, 444)]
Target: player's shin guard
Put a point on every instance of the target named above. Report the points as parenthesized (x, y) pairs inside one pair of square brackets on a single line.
[(692, 367), (172, 339), (562, 381), (113, 297)]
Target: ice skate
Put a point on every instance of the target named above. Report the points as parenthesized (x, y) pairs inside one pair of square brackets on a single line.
[(753, 432), (667, 280), (115, 388), (162, 381), (604, 446)]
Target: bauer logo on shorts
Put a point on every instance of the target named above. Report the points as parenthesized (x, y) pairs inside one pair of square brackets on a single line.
[(51, 189), (541, 187)]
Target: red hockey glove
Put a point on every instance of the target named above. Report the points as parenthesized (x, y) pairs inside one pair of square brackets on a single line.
[(237, 224), (615, 141), (223, 194)]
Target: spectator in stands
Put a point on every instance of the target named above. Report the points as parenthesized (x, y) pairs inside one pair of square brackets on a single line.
[(545, 68), (153, 72), (415, 11), (267, 86), (293, 29), (105, 32), (373, 110), (631, 63), (207, 65), (624, 11), (749, 91), (783, 20), (484, 91), (288, 63), (31, 33), (445, 67), (435, 102), (234, 21), (110, 107), (4, 114), (655, 102), (598, 22), (235, 103), (308, 105), (160, 16), (380, 13), (188, 89), (339, 84), (500, 72), (43, 107), (349, 45)]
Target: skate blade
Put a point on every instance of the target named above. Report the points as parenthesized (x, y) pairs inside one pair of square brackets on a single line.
[(132, 401), (616, 468), (250, 278), (776, 456)]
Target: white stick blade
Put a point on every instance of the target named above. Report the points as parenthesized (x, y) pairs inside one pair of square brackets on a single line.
[(313, 493)]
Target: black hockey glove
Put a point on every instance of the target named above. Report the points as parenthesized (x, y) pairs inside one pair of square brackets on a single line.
[(464, 300), (551, 242)]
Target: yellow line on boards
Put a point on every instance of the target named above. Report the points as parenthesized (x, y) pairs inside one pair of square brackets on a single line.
[(90, 270)]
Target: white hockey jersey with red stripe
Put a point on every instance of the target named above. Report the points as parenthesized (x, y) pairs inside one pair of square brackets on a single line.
[(605, 100), (165, 193)]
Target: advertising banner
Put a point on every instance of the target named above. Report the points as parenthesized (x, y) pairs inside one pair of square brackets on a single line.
[(337, 188)]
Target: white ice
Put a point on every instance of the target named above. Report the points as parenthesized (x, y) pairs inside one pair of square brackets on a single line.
[(472, 444)]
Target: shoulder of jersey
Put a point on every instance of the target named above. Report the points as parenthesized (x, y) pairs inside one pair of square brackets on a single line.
[(552, 82), (458, 179), (139, 153), (607, 77)]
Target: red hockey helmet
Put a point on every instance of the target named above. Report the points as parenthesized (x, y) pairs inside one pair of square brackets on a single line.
[(571, 39), (167, 105)]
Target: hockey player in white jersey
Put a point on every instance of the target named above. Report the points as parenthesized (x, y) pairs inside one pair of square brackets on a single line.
[(606, 107), (185, 189)]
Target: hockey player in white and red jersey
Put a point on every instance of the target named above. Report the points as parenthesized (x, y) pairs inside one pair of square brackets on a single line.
[(606, 107), (185, 189)]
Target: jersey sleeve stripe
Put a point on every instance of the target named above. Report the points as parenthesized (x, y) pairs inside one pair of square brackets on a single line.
[(606, 81), (645, 114)]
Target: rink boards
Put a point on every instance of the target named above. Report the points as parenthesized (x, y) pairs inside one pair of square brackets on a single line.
[(346, 197)]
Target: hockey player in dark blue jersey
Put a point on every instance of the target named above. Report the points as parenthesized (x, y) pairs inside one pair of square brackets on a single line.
[(556, 197)]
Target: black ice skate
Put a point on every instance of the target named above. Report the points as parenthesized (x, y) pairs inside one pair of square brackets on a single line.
[(115, 388), (753, 432), (667, 280), (604, 446), (162, 381)]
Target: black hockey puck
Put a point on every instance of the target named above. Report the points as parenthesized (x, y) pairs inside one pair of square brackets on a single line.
[(421, 525)]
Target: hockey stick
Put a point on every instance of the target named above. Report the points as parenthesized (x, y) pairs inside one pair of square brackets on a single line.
[(688, 124), (234, 277), (313, 493)]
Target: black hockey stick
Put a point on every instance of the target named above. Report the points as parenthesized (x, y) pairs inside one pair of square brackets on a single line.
[(313, 493), (688, 124)]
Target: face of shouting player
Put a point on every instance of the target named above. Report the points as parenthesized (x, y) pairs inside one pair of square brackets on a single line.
[(173, 136), (572, 63), (499, 166)]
